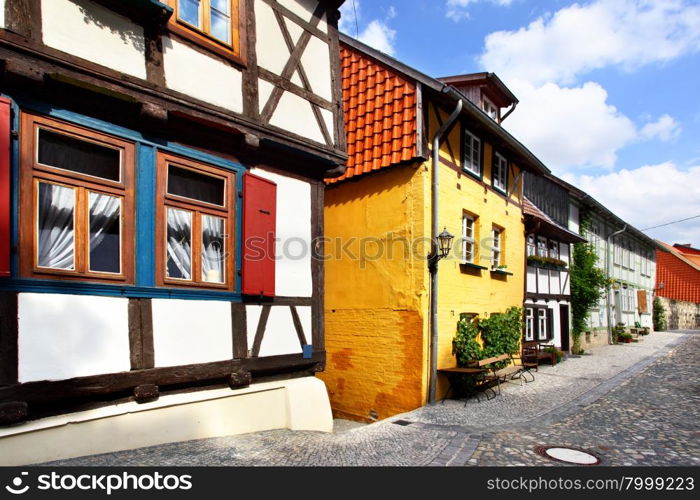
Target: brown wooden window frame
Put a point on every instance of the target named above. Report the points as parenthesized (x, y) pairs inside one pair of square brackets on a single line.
[(165, 200), (32, 173), (234, 51)]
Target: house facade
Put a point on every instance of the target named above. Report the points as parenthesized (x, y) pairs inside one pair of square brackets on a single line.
[(678, 284), (547, 305), (161, 208), (628, 257), (382, 346)]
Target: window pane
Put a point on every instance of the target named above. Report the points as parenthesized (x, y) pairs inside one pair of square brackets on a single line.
[(220, 26), (56, 248), (188, 11), (221, 5), (213, 252), (196, 186), (68, 153), (105, 240), (179, 263)]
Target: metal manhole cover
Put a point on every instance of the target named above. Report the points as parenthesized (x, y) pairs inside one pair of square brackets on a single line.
[(568, 455)]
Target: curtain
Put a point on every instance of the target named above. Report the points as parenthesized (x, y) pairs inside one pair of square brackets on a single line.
[(104, 220), (212, 249), (55, 219), (179, 244)]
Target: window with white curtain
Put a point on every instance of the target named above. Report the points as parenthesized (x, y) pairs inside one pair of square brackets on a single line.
[(542, 330), (468, 243), (472, 153), (541, 246), (529, 324), (197, 210), (500, 172), (554, 249), (496, 246), (531, 245), (76, 202)]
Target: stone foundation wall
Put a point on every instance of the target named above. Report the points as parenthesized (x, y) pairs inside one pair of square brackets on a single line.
[(681, 315)]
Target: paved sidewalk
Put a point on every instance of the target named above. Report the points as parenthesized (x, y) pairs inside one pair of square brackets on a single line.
[(630, 404)]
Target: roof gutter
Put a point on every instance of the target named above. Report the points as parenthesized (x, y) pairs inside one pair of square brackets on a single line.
[(512, 108), (434, 255)]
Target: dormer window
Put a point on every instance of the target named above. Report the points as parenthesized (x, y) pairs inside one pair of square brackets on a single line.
[(490, 109)]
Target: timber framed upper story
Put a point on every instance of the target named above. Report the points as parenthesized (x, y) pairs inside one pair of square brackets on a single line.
[(270, 76)]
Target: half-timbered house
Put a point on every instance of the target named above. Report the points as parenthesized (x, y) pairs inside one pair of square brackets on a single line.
[(548, 242), (161, 204)]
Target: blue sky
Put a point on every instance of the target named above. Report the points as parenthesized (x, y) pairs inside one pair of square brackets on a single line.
[(608, 89)]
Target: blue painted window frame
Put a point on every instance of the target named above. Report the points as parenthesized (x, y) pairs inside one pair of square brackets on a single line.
[(147, 149)]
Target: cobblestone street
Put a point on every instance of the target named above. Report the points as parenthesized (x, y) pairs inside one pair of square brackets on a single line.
[(634, 404)]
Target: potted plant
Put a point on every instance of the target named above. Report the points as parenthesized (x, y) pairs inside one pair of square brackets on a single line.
[(618, 331), (558, 353), (625, 337)]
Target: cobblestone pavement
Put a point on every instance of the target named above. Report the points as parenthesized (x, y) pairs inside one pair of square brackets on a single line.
[(634, 404)]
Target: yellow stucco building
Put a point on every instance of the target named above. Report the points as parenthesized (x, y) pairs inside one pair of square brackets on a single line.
[(379, 223)]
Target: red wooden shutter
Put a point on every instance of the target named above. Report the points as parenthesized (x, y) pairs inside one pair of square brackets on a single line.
[(259, 224), (4, 187)]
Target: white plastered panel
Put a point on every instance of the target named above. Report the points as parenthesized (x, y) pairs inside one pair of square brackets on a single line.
[(293, 249), (191, 331), (202, 77), (93, 32), (66, 336)]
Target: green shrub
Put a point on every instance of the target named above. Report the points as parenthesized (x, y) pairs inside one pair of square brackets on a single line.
[(659, 317), (465, 346)]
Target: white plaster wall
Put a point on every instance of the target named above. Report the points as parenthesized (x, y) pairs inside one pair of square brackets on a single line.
[(532, 279), (2, 13), (203, 77), (191, 331), (543, 280), (280, 335), (90, 31), (66, 336), (264, 91), (316, 60), (294, 114), (271, 50), (555, 282), (293, 249), (573, 218)]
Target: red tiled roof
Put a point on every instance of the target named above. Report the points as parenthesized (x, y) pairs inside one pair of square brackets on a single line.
[(380, 115), (679, 274)]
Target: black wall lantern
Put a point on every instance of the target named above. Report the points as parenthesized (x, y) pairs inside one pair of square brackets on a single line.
[(444, 243)]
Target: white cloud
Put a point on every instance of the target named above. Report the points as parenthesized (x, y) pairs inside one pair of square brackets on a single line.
[(349, 16), (377, 33), (582, 38), (651, 195), (458, 9), (569, 127), (665, 129)]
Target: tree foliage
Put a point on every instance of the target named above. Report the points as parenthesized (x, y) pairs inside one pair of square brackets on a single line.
[(588, 283)]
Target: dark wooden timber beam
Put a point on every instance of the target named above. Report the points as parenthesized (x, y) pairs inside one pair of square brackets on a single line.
[(101, 385)]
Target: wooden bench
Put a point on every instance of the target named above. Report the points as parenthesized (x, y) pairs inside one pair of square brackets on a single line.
[(533, 352), (486, 372)]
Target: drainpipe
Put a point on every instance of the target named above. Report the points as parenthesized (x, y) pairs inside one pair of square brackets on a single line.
[(512, 108), (608, 272), (433, 259)]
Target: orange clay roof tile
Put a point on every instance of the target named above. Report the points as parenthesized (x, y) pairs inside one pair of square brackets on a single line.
[(380, 115)]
